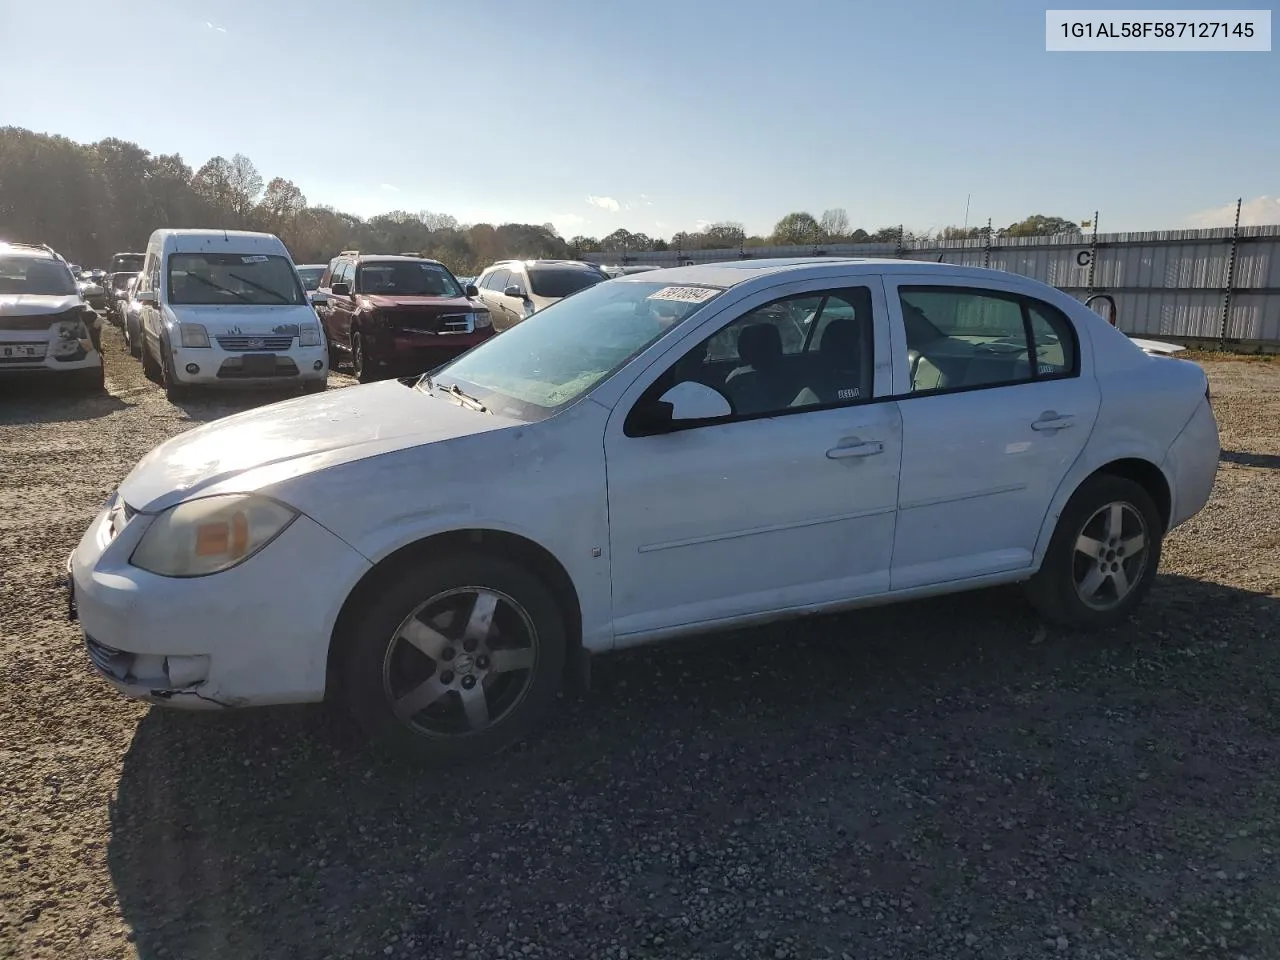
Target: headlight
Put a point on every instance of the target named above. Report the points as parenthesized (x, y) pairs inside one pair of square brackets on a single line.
[(200, 537), (308, 335), (194, 335), (72, 330), (481, 319)]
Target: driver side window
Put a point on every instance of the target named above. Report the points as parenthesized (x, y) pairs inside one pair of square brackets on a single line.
[(810, 350)]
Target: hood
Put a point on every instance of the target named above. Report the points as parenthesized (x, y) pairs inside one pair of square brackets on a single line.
[(299, 436), (1158, 347), (233, 321), (36, 305), (455, 304)]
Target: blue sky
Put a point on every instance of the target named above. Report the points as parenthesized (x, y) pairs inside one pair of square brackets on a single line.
[(595, 114)]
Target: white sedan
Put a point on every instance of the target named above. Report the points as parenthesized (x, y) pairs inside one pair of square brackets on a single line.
[(657, 455)]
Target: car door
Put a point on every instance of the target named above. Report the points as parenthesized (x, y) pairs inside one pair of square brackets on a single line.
[(149, 317), (497, 300), (997, 403), (788, 502), (340, 308)]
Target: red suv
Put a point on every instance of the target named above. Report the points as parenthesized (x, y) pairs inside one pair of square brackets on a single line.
[(397, 315)]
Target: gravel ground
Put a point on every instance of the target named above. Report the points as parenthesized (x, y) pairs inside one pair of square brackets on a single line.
[(935, 780)]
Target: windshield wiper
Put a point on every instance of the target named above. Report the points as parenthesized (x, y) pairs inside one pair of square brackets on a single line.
[(217, 286), (257, 286), (465, 398)]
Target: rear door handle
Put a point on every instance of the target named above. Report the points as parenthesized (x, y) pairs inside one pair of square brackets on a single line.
[(1053, 421), (868, 449)]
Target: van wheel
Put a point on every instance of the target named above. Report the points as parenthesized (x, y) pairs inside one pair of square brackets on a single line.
[(453, 660), (173, 390), (150, 369), (335, 356), (1102, 557)]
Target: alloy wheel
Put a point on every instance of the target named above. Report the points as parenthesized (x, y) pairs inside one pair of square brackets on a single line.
[(1110, 557), (460, 662)]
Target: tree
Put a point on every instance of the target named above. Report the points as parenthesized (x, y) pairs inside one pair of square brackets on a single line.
[(212, 183), (834, 223), (281, 206), (246, 185), (796, 228), (716, 236), (620, 239), (1039, 225), (962, 233)]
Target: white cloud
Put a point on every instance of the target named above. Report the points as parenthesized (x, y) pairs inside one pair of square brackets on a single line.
[(645, 198), (210, 26), (701, 224), (604, 203), (1253, 213), (390, 186)]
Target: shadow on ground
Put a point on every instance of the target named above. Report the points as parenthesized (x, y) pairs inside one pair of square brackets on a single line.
[(1268, 461), (939, 755)]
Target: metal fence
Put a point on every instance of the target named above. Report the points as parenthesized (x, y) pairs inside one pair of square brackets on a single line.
[(1221, 284)]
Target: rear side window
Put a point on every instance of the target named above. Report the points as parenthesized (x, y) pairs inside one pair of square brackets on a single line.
[(964, 337), (561, 281)]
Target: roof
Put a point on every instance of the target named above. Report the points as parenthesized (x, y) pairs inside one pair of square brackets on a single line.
[(219, 241), (384, 257), (732, 272), (548, 262), (15, 249)]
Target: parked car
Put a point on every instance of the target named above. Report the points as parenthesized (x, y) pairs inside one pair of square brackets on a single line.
[(131, 320), (224, 308), (127, 262), (397, 314), (312, 274), (117, 289), (92, 291), (46, 328), (683, 450), (514, 289)]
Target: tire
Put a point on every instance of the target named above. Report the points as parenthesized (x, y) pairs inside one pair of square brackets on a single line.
[(91, 381), (133, 339), (315, 386), (1111, 572), (150, 368), (379, 666), (335, 356), (359, 362), (173, 390)]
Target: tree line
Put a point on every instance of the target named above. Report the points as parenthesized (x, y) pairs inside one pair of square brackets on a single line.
[(89, 201)]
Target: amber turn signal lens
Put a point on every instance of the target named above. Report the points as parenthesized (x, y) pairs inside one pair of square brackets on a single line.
[(223, 539)]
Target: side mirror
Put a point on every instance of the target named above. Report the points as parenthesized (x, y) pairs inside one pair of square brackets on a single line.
[(690, 400), (514, 290), (341, 289), (149, 298), (319, 299), (471, 290)]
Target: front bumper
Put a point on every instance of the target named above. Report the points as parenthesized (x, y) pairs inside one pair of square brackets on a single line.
[(412, 351), (88, 359), (254, 635), (219, 367)]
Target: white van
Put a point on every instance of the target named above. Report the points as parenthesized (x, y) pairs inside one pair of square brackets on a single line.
[(227, 308)]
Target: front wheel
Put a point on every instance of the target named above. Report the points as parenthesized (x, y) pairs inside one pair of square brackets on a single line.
[(454, 659), (359, 361), (1102, 557)]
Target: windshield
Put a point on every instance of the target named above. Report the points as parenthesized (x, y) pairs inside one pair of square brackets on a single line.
[(561, 281), (544, 363), (35, 276), (406, 278), (126, 262), (229, 278), (120, 281), (311, 278)]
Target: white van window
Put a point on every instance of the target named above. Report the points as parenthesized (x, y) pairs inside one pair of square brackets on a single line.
[(229, 278)]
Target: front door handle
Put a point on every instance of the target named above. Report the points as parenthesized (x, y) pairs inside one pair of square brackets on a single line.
[(1053, 421), (868, 449)]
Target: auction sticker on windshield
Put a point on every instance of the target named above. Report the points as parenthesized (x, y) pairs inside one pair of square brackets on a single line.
[(685, 294)]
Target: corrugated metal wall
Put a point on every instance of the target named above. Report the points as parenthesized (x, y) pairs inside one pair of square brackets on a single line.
[(1171, 283)]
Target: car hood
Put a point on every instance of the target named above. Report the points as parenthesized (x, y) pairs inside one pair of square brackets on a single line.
[(224, 321), (444, 303), (298, 436), (35, 305)]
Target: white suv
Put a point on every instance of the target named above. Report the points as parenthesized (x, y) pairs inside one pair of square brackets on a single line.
[(515, 289), (46, 328)]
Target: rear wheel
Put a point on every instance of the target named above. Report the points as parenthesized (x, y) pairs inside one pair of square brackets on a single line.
[(1103, 555), (455, 659)]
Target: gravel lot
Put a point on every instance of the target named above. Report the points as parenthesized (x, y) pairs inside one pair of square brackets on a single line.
[(934, 780)]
